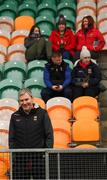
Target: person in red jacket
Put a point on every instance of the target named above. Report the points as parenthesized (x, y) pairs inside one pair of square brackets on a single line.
[(63, 39), (90, 37)]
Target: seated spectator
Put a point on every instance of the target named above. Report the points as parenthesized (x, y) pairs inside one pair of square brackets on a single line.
[(90, 37), (36, 46), (63, 39), (86, 76), (57, 77)]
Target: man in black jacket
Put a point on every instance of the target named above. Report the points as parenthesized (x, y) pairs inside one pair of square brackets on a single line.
[(30, 127)]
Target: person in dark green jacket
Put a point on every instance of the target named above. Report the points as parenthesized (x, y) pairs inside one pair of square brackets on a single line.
[(37, 47)]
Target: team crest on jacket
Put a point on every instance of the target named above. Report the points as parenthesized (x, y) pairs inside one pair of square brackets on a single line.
[(35, 118)]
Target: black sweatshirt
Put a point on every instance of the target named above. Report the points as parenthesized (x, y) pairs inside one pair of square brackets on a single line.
[(33, 130)]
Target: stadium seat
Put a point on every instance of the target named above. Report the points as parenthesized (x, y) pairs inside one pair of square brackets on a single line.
[(46, 24), (85, 107), (46, 9), (59, 108), (18, 36), (6, 24), (69, 62), (1, 71), (9, 88), (16, 52), (7, 107), (4, 38), (3, 53), (20, 22), (35, 67), (85, 146), (15, 70), (85, 131), (35, 85), (27, 9), (4, 163), (40, 102), (8, 9)]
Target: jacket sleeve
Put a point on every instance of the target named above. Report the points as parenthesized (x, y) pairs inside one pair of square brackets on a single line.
[(101, 41), (55, 40), (96, 78), (49, 139), (47, 80), (67, 80), (11, 133)]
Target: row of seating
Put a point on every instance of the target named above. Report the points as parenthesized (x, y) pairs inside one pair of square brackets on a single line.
[(60, 110)]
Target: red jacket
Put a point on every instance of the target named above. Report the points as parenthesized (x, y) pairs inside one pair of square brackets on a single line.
[(89, 39), (68, 40)]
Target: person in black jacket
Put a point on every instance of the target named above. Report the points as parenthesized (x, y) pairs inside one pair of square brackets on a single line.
[(37, 47), (30, 127), (86, 76), (57, 77)]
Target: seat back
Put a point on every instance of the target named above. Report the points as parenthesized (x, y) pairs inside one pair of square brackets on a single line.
[(85, 107), (59, 108), (20, 22)]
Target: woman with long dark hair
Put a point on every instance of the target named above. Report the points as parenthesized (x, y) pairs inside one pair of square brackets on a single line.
[(36, 45), (90, 37)]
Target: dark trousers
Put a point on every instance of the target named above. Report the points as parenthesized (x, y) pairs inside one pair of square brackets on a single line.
[(48, 93), (41, 49), (80, 91), (28, 165), (94, 55)]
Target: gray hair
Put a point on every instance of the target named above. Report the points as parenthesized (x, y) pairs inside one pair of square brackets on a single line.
[(24, 91)]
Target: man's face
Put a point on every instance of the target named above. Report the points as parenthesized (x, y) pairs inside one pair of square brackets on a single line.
[(26, 102), (57, 60)]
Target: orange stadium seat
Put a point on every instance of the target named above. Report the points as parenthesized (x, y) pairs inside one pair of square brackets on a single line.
[(85, 146), (18, 36), (83, 131), (59, 108), (85, 107), (24, 22), (40, 102), (5, 38)]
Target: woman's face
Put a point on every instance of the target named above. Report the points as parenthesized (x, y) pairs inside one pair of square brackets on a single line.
[(36, 30), (85, 23), (61, 27), (86, 60)]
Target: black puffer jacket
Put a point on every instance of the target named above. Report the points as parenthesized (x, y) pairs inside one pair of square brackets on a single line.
[(91, 73), (33, 130)]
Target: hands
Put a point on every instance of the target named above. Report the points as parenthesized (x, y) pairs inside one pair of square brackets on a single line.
[(57, 87), (85, 84)]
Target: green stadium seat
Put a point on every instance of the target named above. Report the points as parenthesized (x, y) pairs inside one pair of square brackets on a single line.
[(68, 1), (53, 2), (8, 10), (34, 2), (69, 12), (46, 24), (47, 9), (35, 85), (9, 88), (1, 71), (14, 2), (27, 9), (36, 67), (15, 70), (69, 62)]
